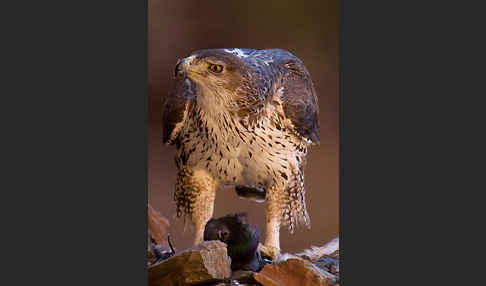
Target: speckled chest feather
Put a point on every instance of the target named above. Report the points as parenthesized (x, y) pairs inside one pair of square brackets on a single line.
[(250, 157)]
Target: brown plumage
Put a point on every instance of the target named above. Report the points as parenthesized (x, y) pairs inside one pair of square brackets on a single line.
[(242, 118)]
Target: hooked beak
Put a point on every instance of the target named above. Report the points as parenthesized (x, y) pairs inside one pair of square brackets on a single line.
[(182, 65)]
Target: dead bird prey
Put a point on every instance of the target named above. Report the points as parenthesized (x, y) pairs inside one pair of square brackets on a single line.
[(241, 238), (242, 118)]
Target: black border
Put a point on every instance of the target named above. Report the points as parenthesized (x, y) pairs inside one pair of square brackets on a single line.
[(76, 153)]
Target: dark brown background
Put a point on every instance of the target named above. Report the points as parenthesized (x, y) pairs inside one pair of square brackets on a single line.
[(309, 30)]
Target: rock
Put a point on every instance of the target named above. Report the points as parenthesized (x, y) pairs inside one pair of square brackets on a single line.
[(207, 262), (335, 254), (328, 263), (158, 226), (293, 272), (230, 283), (159, 252), (243, 277)]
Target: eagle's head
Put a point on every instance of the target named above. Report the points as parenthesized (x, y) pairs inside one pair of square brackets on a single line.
[(221, 77), (235, 79)]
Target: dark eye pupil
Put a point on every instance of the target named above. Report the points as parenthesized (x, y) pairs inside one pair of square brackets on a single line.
[(216, 68)]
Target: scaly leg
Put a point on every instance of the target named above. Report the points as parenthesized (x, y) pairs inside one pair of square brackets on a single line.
[(274, 217)]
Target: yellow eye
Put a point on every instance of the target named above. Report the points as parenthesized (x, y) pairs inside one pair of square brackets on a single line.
[(215, 68)]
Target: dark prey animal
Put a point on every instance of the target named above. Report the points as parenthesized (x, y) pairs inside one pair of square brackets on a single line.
[(242, 119), (241, 240)]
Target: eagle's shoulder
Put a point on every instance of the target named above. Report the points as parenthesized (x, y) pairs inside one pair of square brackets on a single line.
[(278, 74)]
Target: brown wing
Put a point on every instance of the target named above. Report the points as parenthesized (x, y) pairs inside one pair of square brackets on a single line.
[(176, 108), (299, 101)]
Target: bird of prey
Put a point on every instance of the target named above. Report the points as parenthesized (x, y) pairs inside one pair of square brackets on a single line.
[(241, 239), (243, 119)]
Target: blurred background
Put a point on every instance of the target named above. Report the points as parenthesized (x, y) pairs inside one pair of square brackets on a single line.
[(309, 30)]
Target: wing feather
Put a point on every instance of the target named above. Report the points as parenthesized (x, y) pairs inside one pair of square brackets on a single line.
[(299, 101), (176, 108)]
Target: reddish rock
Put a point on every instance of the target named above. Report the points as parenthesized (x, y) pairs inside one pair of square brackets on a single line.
[(158, 226), (208, 262), (292, 272)]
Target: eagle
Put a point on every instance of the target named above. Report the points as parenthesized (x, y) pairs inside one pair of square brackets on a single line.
[(242, 119)]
